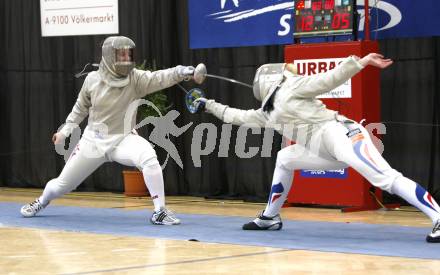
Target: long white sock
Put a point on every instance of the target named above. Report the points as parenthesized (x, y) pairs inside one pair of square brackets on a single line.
[(281, 183), (154, 182), (417, 196)]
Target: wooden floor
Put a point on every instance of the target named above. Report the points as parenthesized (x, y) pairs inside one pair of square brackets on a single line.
[(38, 251)]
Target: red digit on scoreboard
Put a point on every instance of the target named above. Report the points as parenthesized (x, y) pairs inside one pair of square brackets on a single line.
[(345, 21), (307, 23), (329, 4), (336, 22), (317, 6)]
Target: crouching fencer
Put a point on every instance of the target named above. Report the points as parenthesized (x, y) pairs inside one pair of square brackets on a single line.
[(331, 141), (105, 97)]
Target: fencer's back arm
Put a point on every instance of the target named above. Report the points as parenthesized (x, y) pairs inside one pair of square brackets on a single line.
[(80, 110), (314, 85), (147, 82), (235, 116)]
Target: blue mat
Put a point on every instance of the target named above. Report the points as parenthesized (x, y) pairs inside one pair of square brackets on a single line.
[(372, 239)]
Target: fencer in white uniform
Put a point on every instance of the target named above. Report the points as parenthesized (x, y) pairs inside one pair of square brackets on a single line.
[(325, 140), (105, 97)]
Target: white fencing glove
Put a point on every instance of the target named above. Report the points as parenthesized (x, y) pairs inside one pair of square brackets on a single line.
[(185, 72), (200, 103), (198, 74)]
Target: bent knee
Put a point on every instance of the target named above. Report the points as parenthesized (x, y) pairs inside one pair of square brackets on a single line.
[(386, 181), (150, 161), (284, 161)]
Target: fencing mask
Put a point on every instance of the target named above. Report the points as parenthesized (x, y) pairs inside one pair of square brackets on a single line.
[(117, 55), (266, 77)]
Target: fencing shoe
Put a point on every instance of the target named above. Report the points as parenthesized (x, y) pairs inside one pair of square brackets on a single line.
[(164, 217), (264, 223), (434, 236), (31, 209)]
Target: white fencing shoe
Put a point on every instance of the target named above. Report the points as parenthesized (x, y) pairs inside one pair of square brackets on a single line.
[(264, 223), (434, 236), (164, 217), (31, 209)]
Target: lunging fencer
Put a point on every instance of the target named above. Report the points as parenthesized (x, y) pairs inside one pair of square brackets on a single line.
[(105, 97), (332, 140)]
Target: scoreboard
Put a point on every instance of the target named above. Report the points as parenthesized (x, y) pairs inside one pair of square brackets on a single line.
[(323, 17)]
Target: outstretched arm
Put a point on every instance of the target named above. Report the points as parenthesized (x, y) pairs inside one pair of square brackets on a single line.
[(314, 85), (233, 115), (148, 82)]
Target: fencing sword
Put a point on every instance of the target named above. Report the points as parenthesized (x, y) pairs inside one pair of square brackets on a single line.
[(200, 73), (199, 76)]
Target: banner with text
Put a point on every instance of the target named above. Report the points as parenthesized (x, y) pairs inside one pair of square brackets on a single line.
[(231, 23), (79, 17)]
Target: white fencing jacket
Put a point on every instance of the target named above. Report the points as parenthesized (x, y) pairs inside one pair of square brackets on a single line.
[(106, 100), (294, 103)]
